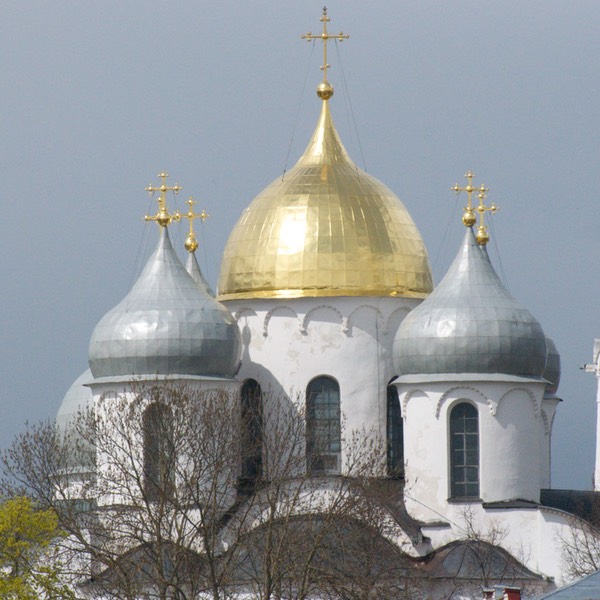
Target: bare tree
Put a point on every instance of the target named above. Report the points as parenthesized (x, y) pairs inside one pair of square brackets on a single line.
[(580, 549), (154, 491)]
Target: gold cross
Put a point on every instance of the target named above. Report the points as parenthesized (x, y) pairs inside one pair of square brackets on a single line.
[(191, 243), (468, 217), (483, 236), (163, 217), (325, 36)]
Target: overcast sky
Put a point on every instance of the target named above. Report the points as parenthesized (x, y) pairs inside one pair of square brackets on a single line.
[(98, 97)]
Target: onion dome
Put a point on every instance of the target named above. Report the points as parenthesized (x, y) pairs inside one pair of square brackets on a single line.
[(552, 370), (326, 228), (167, 325), (470, 324), (77, 401)]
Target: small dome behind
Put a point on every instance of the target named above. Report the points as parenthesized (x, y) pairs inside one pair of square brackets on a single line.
[(470, 324), (166, 325), (326, 228), (77, 401), (78, 398), (552, 370), (193, 268)]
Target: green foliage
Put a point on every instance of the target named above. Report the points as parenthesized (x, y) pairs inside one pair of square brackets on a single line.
[(28, 569)]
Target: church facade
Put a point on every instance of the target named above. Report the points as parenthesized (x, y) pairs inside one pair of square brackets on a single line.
[(326, 299)]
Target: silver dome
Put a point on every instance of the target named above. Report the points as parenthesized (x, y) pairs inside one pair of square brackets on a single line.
[(552, 370), (470, 324), (166, 325)]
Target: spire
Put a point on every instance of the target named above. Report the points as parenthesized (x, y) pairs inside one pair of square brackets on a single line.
[(325, 89), (163, 217), (468, 218)]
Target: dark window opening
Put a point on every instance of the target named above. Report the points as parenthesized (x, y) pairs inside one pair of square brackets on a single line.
[(159, 451), (464, 451), (395, 434), (252, 432), (323, 428)]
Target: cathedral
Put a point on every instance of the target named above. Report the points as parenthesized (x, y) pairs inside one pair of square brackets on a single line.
[(326, 300)]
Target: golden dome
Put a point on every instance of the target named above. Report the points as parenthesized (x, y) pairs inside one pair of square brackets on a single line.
[(326, 229)]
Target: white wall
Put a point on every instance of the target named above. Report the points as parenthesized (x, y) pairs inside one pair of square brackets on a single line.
[(287, 343), (513, 449)]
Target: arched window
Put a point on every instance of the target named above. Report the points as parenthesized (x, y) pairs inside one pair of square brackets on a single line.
[(464, 451), (395, 434), (159, 451), (252, 425), (323, 431)]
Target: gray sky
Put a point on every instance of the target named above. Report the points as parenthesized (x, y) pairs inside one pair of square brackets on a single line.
[(98, 97)]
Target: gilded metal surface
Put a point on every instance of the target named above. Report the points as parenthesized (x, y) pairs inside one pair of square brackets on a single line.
[(483, 237), (468, 218), (166, 325), (163, 217), (191, 243), (326, 229), (470, 324), (325, 89)]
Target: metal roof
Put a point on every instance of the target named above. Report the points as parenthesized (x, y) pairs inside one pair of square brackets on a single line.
[(470, 324)]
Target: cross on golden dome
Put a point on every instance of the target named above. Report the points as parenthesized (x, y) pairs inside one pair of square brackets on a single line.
[(163, 217), (191, 243), (325, 89)]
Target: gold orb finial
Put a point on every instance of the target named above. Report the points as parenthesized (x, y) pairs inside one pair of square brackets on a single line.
[(325, 89), (163, 217), (483, 236), (191, 243), (469, 218)]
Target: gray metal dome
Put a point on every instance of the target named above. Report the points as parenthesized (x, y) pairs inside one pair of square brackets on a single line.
[(552, 370), (166, 325), (470, 324)]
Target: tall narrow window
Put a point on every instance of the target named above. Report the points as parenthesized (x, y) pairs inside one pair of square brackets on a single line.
[(323, 431), (464, 451), (395, 434), (252, 425), (159, 452)]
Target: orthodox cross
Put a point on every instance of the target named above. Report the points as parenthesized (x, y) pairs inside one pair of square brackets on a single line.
[(163, 217), (325, 36), (468, 217), (483, 236), (191, 243)]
